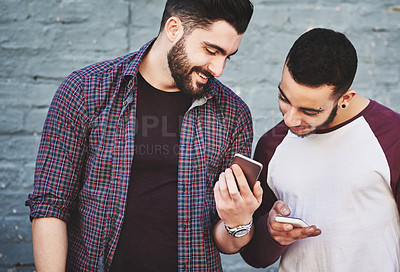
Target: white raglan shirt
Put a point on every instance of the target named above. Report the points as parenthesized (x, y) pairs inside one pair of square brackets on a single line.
[(339, 181)]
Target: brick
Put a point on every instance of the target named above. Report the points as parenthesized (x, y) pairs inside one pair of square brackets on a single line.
[(16, 257), (13, 205), (34, 120), (13, 11), (11, 120), (11, 175), (18, 94), (16, 148)]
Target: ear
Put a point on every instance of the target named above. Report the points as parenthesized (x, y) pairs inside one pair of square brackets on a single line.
[(346, 98), (173, 29)]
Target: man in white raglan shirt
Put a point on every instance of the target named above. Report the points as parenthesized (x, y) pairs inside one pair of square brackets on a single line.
[(333, 161)]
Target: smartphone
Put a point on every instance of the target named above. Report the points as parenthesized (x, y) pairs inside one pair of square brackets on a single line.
[(296, 222), (250, 168)]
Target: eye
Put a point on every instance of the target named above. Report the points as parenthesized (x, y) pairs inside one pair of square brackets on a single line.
[(281, 98), (310, 113), (212, 53)]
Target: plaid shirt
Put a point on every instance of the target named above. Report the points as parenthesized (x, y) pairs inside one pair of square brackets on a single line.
[(85, 156)]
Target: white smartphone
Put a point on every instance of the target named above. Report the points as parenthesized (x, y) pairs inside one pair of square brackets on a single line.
[(250, 168), (296, 222)]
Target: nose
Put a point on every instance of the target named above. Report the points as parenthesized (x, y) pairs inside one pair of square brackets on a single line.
[(292, 118), (216, 67)]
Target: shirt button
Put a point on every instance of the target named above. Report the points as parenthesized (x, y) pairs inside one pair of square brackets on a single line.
[(124, 103), (184, 227)]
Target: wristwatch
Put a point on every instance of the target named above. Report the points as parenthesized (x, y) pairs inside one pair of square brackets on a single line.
[(239, 231)]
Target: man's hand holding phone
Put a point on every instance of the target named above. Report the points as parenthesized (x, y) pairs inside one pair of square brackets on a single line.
[(235, 200), (235, 203), (286, 230)]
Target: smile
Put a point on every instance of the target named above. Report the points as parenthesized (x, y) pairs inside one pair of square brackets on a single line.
[(203, 78), (297, 130)]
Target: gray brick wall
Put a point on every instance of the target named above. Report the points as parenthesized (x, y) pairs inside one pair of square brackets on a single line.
[(41, 42)]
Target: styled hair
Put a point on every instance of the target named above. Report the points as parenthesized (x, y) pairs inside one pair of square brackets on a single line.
[(202, 13), (323, 56)]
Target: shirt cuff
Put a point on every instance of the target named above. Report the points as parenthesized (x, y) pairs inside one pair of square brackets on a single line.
[(47, 206)]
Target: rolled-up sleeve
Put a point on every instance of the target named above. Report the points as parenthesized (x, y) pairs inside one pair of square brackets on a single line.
[(60, 162)]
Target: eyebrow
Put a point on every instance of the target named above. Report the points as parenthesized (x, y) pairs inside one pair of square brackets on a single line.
[(221, 50), (301, 108)]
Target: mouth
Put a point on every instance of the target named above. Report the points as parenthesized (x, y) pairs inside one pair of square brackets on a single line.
[(203, 78), (299, 130)]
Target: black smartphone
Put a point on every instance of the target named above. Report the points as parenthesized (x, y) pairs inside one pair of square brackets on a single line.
[(250, 168)]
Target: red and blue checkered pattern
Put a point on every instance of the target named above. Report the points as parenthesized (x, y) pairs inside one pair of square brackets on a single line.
[(85, 156)]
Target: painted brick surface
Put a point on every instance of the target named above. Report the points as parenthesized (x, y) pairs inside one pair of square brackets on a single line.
[(41, 42)]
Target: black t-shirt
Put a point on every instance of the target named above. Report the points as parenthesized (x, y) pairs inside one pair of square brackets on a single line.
[(148, 240)]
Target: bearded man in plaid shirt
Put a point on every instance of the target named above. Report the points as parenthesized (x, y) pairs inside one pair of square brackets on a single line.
[(132, 148)]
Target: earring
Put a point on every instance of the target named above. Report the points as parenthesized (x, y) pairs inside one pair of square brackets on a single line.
[(343, 106)]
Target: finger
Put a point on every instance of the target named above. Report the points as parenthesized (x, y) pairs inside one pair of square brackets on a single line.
[(223, 193), (217, 193), (284, 227), (314, 231), (223, 188), (288, 237), (282, 237), (240, 177), (302, 233), (311, 231), (280, 227), (241, 180), (231, 184), (299, 233)]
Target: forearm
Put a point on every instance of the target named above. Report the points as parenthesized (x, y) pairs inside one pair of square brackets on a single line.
[(50, 244), (226, 243), (263, 250)]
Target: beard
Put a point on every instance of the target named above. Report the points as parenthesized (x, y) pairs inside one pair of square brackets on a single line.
[(330, 119), (182, 71), (327, 122)]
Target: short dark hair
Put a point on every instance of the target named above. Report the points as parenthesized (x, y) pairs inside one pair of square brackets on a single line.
[(323, 56), (203, 13)]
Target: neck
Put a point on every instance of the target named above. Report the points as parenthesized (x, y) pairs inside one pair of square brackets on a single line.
[(357, 104), (154, 67)]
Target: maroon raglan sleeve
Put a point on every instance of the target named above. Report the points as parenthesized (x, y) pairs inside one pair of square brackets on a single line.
[(385, 123)]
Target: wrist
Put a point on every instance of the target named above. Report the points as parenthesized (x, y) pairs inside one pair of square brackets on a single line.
[(239, 231)]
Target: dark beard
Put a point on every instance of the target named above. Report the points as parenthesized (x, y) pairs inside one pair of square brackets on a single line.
[(182, 71), (328, 121)]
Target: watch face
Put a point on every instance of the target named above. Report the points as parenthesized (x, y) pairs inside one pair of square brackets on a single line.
[(241, 233)]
